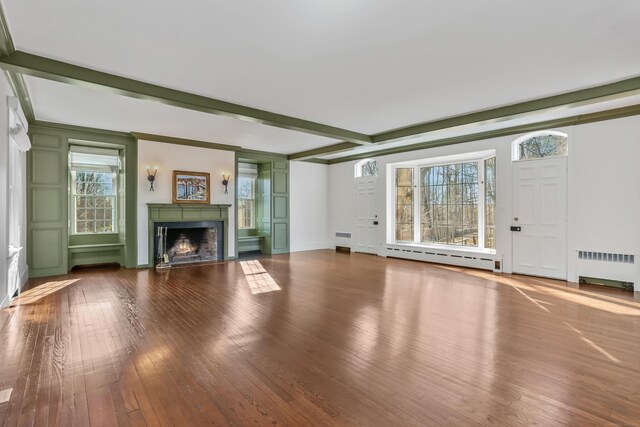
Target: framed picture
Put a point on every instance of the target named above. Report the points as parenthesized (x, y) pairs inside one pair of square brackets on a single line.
[(191, 187)]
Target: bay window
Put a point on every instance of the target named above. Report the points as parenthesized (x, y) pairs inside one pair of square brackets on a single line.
[(446, 203)]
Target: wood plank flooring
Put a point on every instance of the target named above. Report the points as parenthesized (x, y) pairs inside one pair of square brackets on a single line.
[(347, 340)]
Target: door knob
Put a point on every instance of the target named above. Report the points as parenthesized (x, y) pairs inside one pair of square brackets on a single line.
[(515, 219)]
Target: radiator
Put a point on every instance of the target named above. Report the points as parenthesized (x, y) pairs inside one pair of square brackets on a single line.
[(608, 265), (442, 256)]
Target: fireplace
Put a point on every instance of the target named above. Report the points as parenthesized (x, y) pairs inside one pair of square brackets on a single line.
[(191, 241)]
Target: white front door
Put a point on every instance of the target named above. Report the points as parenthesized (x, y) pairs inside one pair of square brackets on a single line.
[(540, 212), (366, 217)]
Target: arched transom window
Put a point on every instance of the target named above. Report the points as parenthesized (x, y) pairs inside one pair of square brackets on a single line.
[(539, 145), (366, 167)]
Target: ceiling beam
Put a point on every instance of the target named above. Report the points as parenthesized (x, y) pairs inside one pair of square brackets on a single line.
[(50, 69), (16, 81), (617, 113), (566, 100), (183, 141), (577, 98), (335, 148)]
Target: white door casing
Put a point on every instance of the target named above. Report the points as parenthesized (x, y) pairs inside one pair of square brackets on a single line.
[(540, 210), (366, 238)]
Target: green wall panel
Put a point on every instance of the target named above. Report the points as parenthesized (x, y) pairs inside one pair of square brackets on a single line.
[(47, 167), (281, 237), (49, 244), (45, 255), (47, 141), (280, 210), (280, 181), (48, 204)]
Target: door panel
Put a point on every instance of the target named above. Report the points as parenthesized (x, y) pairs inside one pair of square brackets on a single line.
[(366, 217), (540, 210)]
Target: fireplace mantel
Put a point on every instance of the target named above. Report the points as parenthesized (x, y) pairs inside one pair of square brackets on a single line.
[(169, 212)]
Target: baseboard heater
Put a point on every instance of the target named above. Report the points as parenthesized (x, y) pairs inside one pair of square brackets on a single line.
[(618, 270), (445, 257)]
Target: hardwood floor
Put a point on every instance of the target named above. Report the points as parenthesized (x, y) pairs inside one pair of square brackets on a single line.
[(347, 340)]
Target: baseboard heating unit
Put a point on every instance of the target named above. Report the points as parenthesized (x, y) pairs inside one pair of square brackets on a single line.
[(441, 256)]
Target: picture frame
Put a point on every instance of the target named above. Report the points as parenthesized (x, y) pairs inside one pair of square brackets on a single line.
[(191, 187)]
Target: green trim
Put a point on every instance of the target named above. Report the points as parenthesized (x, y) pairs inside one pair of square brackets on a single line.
[(16, 81), (335, 148), (183, 141), (568, 121), (19, 88), (50, 69), (318, 161), (6, 42), (605, 92), (67, 134), (259, 156), (572, 99), (74, 128), (168, 212)]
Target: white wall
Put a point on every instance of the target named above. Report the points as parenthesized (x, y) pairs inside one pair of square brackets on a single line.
[(342, 191), (603, 187), (5, 91), (170, 157), (309, 202)]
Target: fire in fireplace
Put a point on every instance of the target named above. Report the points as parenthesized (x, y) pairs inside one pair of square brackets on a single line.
[(192, 241)]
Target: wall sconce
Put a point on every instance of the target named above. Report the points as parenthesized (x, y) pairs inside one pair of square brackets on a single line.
[(151, 177), (225, 182)]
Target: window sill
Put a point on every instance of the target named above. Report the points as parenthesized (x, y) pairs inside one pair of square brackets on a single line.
[(444, 248), (106, 233)]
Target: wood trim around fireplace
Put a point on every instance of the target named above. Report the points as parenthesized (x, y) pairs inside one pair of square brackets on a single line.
[(167, 212)]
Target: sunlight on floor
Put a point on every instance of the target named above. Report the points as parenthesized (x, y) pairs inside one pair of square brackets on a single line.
[(258, 279), (591, 343), (534, 288), (39, 292), (600, 302)]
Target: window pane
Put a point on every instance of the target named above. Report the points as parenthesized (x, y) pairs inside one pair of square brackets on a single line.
[(541, 146), (490, 203), (448, 204), (404, 204), (369, 168)]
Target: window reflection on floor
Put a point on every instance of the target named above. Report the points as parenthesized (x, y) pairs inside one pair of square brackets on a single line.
[(33, 295), (258, 279)]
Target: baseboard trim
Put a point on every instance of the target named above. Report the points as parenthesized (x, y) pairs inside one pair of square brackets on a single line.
[(311, 246)]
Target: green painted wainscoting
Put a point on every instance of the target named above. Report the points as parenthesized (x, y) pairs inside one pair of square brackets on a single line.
[(51, 249), (168, 212)]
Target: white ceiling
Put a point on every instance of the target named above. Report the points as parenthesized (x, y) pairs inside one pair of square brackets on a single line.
[(364, 65), (491, 125), (75, 105)]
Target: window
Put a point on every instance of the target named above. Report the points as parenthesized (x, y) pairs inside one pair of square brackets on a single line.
[(490, 203), (366, 167), (455, 204), (94, 192), (404, 204), (539, 145), (246, 202)]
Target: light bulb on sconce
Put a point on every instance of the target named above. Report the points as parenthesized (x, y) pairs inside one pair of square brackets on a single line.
[(151, 177), (225, 182)]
